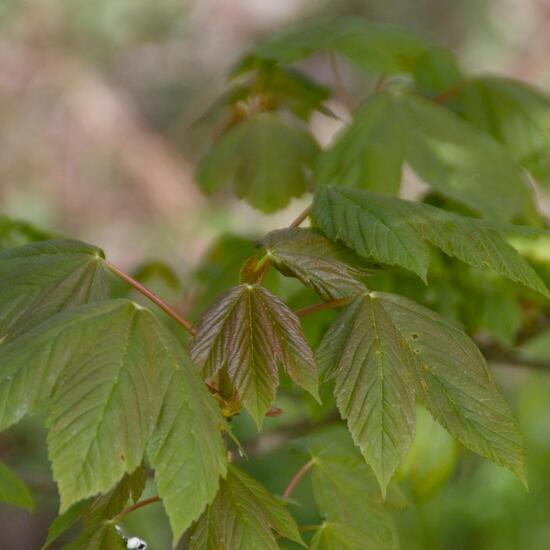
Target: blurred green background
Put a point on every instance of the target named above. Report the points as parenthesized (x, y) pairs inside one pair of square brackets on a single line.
[(100, 127)]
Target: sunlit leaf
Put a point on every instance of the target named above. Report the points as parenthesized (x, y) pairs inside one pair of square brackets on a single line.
[(249, 333), (449, 154), (243, 515), (397, 232)]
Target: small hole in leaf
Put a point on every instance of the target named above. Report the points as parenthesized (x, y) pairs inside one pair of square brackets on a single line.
[(414, 336)]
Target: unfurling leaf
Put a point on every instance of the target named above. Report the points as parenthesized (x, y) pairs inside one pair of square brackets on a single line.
[(38, 280), (243, 515), (116, 385), (397, 232), (446, 152), (249, 333), (13, 491), (383, 350), (329, 268), (266, 159)]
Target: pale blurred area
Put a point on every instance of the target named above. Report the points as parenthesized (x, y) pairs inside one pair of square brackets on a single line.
[(99, 102)]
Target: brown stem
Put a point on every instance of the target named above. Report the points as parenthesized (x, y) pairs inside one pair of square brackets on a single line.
[(134, 507), (339, 83), (153, 297), (451, 92), (323, 305), (301, 217), (297, 477)]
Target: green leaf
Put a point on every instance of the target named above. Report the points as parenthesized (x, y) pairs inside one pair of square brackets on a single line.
[(249, 332), (328, 268), (346, 491), (515, 114), (499, 313), (455, 385), (65, 521), (16, 233), (372, 46), (115, 385), (104, 536), (243, 515), (38, 280), (373, 385), (369, 153), (451, 155), (13, 491), (437, 71), (339, 536), (396, 232), (431, 459), (265, 159), (449, 376), (106, 507), (97, 513)]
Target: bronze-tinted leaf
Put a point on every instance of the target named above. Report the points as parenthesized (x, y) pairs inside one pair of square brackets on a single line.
[(249, 332)]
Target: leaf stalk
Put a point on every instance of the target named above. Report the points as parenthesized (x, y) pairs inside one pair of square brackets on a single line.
[(153, 297)]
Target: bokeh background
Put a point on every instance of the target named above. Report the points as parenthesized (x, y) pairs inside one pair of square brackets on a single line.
[(101, 124)]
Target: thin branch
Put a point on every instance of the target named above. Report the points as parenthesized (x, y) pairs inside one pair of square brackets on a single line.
[(451, 92), (340, 84), (301, 217), (323, 305), (297, 477), (134, 507), (153, 297)]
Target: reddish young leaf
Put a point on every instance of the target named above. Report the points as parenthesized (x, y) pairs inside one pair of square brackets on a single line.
[(250, 333)]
